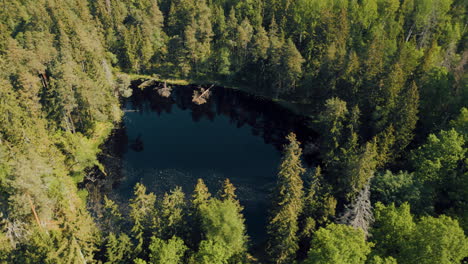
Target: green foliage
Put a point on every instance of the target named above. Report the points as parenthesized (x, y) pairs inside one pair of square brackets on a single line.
[(319, 204), (399, 67), (338, 244), (167, 252), (172, 212), (380, 260), (460, 124), (223, 225), (392, 229), (360, 168), (429, 240), (228, 192), (332, 121), (200, 195), (439, 240), (440, 156), (141, 214), (388, 187), (287, 204), (119, 249), (212, 252)]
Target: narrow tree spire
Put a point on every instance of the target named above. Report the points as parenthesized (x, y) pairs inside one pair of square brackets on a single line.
[(228, 192), (287, 205), (201, 194)]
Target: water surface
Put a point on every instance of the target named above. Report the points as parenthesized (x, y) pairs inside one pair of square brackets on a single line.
[(173, 142)]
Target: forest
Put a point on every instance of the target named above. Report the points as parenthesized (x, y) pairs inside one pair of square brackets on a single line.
[(386, 82)]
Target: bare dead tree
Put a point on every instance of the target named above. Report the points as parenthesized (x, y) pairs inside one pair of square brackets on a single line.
[(15, 231), (164, 91), (201, 97), (147, 83), (359, 213)]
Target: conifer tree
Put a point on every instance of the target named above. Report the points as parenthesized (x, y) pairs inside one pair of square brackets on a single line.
[(172, 212), (119, 248), (200, 195), (112, 216), (332, 120), (406, 117), (319, 207), (228, 192), (359, 167), (287, 205), (319, 204), (290, 67), (142, 210), (260, 44)]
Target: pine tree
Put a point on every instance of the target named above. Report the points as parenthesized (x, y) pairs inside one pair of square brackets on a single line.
[(172, 211), (112, 216), (228, 192), (358, 168), (198, 35), (288, 204), (119, 248), (319, 204), (319, 208), (200, 195), (406, 117), (290, 70), (260, 44), (142, 210), (331, 121)]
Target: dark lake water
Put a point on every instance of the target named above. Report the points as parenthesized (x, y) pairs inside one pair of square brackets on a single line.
[(172, 142)]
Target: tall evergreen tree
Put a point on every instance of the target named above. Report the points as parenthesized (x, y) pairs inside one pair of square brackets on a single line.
[(173, 208), (290, 70), (406, 117), (287, 205), (142, 211), (200, 195), (228, 192)]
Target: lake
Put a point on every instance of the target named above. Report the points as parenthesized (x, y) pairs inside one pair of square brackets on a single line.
[(172, 142)]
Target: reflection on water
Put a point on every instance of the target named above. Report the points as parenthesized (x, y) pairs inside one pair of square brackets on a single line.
[(173, 142)]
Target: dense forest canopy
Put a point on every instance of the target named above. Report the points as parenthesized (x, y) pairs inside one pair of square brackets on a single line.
[(387, 80)]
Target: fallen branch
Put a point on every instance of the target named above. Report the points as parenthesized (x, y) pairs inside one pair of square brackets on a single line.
[(201, 97), (147, 83), (34, 211)]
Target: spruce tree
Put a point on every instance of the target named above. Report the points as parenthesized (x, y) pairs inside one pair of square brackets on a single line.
[(228, 192), (111, 215), (119, 249), (287, 205), (172, 212), (200, 195), (290, 67), (331, 122), (142, 210), (406, 117)]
